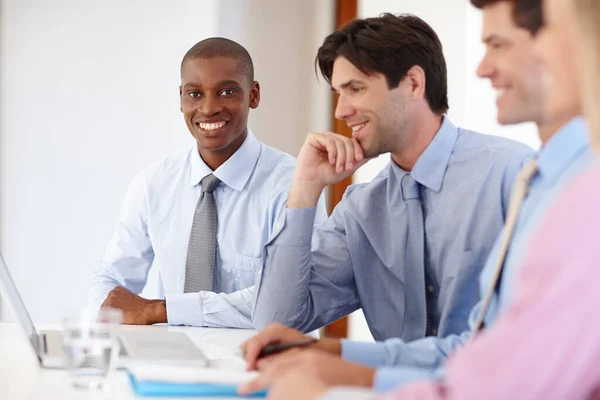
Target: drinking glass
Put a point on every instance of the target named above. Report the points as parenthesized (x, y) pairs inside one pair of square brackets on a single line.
[(90, 340)]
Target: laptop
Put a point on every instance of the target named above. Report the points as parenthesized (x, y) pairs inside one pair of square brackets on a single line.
[(137, 347)]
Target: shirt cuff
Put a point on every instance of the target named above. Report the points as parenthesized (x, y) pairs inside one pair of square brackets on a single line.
[(370, 354), (185, 309), (98, 294), (389, 378), (302, 223)]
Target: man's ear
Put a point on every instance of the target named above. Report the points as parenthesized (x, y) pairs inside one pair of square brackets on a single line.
[(417, 79), (180, 99), (254, 94)]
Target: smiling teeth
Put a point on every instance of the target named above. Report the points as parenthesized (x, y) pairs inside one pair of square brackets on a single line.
[(356, 128), (212, 126)]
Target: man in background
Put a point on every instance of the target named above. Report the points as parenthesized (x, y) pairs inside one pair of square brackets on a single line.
[(201, 217)]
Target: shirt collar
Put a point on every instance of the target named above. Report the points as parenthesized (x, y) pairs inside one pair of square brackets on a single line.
[(431, 166), (562, 148), (234, 172)]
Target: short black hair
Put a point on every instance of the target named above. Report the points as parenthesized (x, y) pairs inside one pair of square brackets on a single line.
[(221, 47), (390, 45), (527, 14)]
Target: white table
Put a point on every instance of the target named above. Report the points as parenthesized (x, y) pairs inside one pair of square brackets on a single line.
[(21, 376)]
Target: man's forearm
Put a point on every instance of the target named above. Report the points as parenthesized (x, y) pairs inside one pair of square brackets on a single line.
[(228, 310), (284, 285), (304, 194)]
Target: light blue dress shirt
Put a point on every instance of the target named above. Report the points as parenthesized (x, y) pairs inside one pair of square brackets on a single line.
[(563, 156), (357, 254), (156, 221)]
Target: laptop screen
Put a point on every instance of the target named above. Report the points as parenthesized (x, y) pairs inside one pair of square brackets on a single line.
[(10, 292)]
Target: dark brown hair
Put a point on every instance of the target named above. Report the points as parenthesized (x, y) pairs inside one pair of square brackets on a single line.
[(390, 45), (526, 13)]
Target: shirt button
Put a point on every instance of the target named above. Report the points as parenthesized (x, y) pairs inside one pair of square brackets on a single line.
[(430, 289)]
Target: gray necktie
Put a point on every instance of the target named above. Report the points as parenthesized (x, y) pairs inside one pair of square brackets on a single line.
[(202, 247), (414, 257)]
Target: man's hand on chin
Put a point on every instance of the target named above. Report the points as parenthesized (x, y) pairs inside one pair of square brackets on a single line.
[(327, 369), (136, 309)]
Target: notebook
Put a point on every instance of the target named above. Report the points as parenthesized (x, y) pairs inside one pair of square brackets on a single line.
[(181, 381)]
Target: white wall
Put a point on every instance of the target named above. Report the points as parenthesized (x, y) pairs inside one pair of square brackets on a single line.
[(89, 96), (472, 101), (283, 38)]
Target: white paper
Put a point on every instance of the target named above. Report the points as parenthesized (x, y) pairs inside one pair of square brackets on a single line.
[(178, 374)]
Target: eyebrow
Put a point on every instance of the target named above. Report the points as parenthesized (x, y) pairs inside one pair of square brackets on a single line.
[(347, 84), (191, 85), (228, 82), (493, 37)]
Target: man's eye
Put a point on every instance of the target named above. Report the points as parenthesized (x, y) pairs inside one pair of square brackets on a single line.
[(195, 94), (356, 89), (497, 45), (227, 92)]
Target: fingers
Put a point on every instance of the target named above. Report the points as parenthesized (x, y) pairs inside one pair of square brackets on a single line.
[(251, 350), (117, 295), (322, 143), (271, 370), (111, 298), (280, 359), (342, 152), (351, 159), (358, 150), (253, 386), (340, 161), (274, 333), (262, 382), (252, 347)]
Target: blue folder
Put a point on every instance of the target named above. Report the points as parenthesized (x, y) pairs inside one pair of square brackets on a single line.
[(158, 389)]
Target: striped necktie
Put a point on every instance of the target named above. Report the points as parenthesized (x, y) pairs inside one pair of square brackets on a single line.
[(518, 195)]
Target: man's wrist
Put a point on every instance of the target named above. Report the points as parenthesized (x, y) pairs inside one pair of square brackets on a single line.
[(367, 378), (304, 194), (157, 312), (330, 345)]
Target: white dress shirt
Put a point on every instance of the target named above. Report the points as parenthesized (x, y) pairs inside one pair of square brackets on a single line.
[(156, 221)]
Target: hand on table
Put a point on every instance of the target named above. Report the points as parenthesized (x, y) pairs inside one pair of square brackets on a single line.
[(136, 309), (325, 368)]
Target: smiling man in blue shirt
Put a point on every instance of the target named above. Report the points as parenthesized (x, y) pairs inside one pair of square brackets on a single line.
[(163, 222), (407, 247)]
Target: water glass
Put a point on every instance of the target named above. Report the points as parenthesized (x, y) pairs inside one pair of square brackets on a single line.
[(91, 346)]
